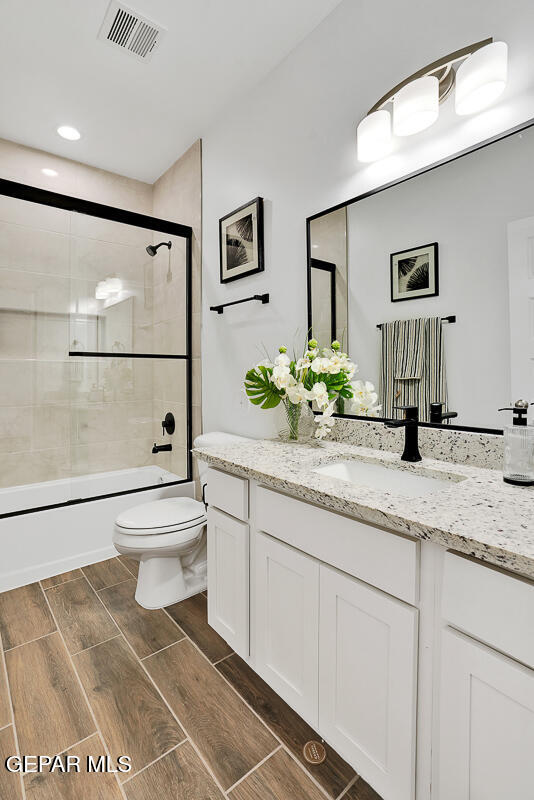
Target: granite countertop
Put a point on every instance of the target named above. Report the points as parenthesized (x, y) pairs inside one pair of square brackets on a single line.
[(478, 514)]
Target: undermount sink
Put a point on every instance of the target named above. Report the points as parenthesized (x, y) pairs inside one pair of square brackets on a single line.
[(375, 476)]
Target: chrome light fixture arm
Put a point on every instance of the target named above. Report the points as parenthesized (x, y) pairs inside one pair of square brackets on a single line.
[(442, 65)]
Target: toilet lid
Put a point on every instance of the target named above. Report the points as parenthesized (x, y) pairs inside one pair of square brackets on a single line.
[(172, 513)]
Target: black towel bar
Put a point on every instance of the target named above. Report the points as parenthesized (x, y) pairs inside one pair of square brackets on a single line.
[(450, 319), (220, 309)]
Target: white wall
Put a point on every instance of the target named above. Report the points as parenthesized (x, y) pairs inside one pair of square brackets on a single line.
[(292, 140)]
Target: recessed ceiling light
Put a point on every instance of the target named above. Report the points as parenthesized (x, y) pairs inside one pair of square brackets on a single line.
[(50, 172), (67, 132)]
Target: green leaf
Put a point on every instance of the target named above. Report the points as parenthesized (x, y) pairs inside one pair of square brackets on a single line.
[(260, 389)]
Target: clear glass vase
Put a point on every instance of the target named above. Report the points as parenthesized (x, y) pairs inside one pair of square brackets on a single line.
[(298, 422)]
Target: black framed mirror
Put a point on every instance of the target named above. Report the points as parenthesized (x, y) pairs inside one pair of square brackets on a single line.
[(461, 345)]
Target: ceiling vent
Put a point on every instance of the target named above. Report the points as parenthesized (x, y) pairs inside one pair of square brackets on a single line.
[(133, 33)]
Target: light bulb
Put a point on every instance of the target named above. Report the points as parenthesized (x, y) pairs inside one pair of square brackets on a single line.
[(481, 78), (416, 106), (374, 136)]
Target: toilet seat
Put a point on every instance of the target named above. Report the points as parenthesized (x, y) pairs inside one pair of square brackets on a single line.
[(137, 541), (162, 517)]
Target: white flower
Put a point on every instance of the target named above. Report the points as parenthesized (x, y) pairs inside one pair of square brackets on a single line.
[(319, 365), (298, 394), (325, 421), (282, 377), (365, 400), (303, 363), (319, 393), (266, 362), (282, 360)]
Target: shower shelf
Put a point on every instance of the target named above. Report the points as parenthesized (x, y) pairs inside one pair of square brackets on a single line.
[(220, 309)]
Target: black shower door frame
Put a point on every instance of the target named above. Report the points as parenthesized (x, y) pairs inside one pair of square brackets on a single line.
[(34, 194)]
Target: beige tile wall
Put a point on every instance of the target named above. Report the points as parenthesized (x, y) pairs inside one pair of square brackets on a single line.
[(61, 417), (178, 197)]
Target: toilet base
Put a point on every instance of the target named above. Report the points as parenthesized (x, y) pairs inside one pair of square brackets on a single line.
[(163, 581)]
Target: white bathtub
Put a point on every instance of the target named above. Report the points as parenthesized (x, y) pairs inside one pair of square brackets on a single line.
[(44, 543)]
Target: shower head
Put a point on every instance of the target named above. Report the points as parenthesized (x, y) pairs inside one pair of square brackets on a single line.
[(152, 249)]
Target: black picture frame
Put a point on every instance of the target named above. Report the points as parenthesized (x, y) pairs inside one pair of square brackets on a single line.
[(433, 274), (254, 208)]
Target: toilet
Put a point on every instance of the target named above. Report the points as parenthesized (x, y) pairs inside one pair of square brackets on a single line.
[(168, 538)]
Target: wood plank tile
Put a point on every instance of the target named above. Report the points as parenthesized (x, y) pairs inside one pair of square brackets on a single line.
[(81, 617), (10, 788), (106, 573), (24, 615), (361, 791), (278, 779), (180, 774), (5, 705), (334, 774), (50, 710), (147, 631), (131, 564), (227, 733), (192, 616), (47, 583), (82, 785), (131, 715)]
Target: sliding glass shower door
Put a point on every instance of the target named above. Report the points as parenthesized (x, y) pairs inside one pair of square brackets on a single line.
[(95, 347)]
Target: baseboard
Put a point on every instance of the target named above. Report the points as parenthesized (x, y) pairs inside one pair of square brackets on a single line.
[(21, 577)]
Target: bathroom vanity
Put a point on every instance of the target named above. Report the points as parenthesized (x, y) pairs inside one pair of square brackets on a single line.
[(390, 605)]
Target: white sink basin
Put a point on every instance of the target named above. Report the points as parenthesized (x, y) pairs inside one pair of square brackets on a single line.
[(375, 476)]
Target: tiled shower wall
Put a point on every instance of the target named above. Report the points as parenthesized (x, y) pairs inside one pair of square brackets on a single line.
[(177, 197), (61, 417)]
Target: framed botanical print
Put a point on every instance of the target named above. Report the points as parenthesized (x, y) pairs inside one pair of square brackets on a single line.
[(241, 241), (414, 273)]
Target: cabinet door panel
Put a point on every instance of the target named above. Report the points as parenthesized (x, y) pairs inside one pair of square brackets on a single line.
[(367, 680), (287, 623), (486, 742), (228, 579)]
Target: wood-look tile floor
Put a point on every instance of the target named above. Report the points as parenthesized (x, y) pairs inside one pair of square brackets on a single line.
[(85, 671)]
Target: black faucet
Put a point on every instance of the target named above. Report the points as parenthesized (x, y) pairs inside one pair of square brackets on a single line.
[(410, 423), (437, 414), (161, 448)]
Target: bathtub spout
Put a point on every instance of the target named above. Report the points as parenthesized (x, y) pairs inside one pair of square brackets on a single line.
[(159, 448)]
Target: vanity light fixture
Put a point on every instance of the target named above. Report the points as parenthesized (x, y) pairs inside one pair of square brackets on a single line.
[(51, 173), (479, 72), (68, 132)]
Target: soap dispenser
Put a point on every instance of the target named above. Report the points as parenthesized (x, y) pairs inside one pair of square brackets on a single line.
[(518, 467)]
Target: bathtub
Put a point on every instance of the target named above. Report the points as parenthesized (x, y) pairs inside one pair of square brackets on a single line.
[(43, 543)]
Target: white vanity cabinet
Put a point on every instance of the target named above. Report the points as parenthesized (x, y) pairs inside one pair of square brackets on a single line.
[(286, 623), (414, 662), (486, 739), (486, 708), (228, 559), (368, 681)]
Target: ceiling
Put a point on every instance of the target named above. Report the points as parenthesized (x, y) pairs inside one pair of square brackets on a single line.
[(137, 118)]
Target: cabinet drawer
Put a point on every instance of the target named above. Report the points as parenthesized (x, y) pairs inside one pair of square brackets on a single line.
[(376, 556), (228, 492), (493, 606)]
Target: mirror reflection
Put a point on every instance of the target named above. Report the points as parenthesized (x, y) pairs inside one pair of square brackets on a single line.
[(434, 288)]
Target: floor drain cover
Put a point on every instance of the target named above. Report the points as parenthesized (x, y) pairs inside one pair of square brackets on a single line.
[(314, 752)]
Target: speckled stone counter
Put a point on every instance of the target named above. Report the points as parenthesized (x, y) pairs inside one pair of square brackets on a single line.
[(478, 514)]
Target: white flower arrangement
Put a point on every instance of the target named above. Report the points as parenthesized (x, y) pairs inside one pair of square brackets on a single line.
[(319, 376)]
